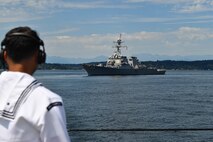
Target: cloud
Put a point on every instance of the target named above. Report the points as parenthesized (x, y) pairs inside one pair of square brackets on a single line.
[(197, 6), (90, 5), (18, 10), (79, 46), (61, 4), (26, 10), (182, 6), (12, 11), (6, 2), (180, 20), (181, 41), (95, 4), (16, 15), (60, 32), (159, 1), (193, 34)]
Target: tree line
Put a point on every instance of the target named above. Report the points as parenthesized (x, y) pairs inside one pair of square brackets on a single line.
[(167, 64), (181, 65)]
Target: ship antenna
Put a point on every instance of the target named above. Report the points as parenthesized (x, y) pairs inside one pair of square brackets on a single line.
[(118, 45)]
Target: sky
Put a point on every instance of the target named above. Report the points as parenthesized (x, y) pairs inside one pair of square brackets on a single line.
[(87, 28)]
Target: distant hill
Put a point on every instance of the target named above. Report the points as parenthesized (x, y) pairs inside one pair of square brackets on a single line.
[(62, 60), (152, 57)]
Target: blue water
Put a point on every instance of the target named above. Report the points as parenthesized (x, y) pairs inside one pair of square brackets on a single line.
[(179, 99)]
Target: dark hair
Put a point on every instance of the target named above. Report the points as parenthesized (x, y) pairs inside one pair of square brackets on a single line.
[(20, 47)]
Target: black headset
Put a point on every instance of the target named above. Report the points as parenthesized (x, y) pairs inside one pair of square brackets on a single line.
[(41, 53)]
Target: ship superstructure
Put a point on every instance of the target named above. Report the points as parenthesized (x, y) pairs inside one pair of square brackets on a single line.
[(117, 64)]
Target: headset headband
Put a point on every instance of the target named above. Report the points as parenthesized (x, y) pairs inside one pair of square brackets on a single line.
[(41, 43)]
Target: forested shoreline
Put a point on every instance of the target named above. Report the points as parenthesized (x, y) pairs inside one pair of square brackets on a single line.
[(167, 64)]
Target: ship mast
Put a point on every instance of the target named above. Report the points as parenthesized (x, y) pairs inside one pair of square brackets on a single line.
[(119, 46)]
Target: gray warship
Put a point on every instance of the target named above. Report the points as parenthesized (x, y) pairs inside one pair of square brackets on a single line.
[(121, 65)]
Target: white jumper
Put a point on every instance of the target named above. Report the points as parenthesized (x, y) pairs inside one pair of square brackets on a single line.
[(29, 112)]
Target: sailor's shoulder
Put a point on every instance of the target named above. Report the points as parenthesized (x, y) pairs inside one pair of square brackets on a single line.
[(42, 91), (44, 97)]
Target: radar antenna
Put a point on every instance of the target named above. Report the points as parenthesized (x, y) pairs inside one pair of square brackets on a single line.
[(118, 45)]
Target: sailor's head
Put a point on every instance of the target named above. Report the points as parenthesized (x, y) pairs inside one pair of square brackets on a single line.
[(21, 44)]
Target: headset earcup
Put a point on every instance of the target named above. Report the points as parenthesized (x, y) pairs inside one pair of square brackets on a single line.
[(3, 42), (41, 57), (2, 56)]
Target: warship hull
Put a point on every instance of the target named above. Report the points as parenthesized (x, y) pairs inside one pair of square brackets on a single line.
[(94, 70)]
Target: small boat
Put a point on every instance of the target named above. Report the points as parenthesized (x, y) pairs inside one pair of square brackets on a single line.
[(117, 64)]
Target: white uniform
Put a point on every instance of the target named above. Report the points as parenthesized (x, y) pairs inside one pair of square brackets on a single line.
[(29, 112)]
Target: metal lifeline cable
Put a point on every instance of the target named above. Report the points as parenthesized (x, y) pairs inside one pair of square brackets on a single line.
[(140, 129)]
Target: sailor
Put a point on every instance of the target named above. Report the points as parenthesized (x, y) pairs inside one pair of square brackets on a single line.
[(29, 112)]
